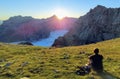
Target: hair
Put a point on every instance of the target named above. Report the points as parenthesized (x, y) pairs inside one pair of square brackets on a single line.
[(96, 51)]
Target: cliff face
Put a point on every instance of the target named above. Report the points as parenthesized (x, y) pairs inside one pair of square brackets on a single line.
[(98, 24), (20, 28)]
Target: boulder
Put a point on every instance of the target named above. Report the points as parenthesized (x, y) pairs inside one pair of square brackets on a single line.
[(25, 43)]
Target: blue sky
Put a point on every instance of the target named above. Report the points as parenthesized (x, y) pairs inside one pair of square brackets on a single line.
[(46, 8)]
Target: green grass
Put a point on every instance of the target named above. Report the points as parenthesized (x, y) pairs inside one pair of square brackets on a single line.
[(17, 61)]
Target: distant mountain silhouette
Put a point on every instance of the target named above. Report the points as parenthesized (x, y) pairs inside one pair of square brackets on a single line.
[(19, 28), (98, 24)]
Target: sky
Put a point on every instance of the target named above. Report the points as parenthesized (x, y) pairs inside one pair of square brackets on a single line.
[(47, 8)]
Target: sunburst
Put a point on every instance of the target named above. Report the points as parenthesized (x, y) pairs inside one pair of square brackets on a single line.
[(60, 13)]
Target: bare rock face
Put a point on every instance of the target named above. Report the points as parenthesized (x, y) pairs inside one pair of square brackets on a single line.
[(60, 42), (98, 24), (19, 28)]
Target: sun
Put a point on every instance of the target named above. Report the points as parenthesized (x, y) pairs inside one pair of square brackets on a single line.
[(60, 13)]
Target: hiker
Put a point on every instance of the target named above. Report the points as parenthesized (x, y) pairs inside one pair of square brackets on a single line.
[(96, 61)]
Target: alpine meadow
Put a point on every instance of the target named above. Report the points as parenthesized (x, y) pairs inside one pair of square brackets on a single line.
[(59, 39), (32, 62)]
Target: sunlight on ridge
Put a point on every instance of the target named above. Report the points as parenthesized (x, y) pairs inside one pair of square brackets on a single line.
[(60, 13)]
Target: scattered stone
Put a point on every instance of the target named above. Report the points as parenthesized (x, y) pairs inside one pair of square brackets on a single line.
[(66, 56), (109, 59), (36, 70), (65, 67), (2, 60), (56, 71), (88, 54), (25, 78), (82, 52), (8, 64), (8, 74), (67, 62), (42, 62), (57, 76), (24, 64)]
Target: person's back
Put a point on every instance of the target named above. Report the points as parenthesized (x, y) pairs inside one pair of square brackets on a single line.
[(96, 61)]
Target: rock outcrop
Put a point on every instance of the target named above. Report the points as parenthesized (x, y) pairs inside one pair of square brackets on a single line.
[(98, 24), (25, 43), (20, 28)]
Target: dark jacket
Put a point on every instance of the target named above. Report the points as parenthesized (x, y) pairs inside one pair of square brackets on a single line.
[(96, 62)]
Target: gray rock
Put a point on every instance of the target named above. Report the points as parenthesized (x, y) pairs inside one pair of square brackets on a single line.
[(24, 64), (8, 64), (25, 43), (98, 24), (24, 78)]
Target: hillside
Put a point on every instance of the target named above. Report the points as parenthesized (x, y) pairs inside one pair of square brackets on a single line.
[(31, 62), (99, 24)]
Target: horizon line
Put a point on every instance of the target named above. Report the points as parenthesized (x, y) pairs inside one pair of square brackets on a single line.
[(35, 17)]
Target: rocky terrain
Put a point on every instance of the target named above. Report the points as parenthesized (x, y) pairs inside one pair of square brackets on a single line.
[(19, 28), (98, 24)]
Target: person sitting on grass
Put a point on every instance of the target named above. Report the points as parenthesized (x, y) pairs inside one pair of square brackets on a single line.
[(96, 61)]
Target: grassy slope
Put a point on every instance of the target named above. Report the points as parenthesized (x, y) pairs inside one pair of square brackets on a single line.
[(44, 63)]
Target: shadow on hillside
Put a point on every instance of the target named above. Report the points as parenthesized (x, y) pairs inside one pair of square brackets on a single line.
[(107, 75)]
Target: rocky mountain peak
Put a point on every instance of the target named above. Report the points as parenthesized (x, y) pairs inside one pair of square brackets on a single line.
[(99, 7), (19, 17), (54, 16), (98, 24), (26, 28)]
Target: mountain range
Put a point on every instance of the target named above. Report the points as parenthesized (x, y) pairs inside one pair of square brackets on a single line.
[(19, 28), (98, 24)]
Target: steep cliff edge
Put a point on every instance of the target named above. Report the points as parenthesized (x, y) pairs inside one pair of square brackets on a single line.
[(98, 24)]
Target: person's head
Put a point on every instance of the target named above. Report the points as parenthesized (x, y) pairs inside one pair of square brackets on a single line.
[(96, 51)]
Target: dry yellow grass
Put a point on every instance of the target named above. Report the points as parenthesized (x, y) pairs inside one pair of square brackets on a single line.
[(17, 61)]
